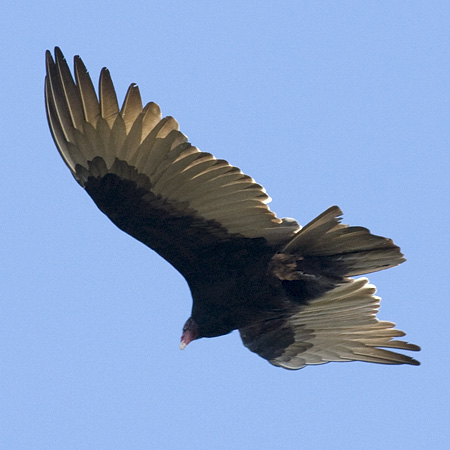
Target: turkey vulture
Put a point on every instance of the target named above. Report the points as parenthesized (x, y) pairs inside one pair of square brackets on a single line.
[(287, 289)]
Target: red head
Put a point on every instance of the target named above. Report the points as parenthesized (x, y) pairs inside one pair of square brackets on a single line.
[(190, 333)]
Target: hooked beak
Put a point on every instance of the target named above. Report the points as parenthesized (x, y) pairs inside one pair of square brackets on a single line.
[(186, 338), (190, 333)]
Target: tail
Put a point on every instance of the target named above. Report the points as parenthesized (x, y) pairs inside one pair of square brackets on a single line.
[(341, 250)]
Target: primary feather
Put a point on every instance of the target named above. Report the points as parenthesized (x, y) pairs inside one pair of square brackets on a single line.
[(286, 288)]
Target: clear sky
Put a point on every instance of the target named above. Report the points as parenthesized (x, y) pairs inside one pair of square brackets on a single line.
[(323, 103)]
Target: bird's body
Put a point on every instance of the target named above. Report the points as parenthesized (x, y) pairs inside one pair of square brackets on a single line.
[(230, 281), (287, 289)]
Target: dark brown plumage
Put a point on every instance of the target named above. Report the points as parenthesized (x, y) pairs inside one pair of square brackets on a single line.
[(285, 288)]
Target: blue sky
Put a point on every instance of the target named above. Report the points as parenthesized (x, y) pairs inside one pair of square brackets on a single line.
[(323, 103)]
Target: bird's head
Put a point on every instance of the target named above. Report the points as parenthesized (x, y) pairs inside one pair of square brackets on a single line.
[(190, 333)]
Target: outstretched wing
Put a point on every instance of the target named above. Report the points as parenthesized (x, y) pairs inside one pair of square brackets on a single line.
[(341, 325), (144, 175)]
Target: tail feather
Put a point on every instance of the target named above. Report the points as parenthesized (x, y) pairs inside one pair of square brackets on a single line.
[(354, 248)]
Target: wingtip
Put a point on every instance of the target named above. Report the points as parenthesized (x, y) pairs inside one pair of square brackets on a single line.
[(59, 55), (49, 61)]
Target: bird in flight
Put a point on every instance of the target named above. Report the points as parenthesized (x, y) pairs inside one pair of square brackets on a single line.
[(287, 289)]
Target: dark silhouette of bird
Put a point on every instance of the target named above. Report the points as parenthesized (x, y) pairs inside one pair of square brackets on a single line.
[(286, 288)]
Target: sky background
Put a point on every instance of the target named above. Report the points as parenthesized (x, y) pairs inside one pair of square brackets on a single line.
[(323, 103)]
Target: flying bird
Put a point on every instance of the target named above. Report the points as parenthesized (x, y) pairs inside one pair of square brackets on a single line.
[(287, 289)]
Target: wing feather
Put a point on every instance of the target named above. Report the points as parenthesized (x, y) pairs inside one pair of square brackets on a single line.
[(117, 140), (91, 107), (152, 116), (341, 325), (132, 106), (133, 148), (109, 106)]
